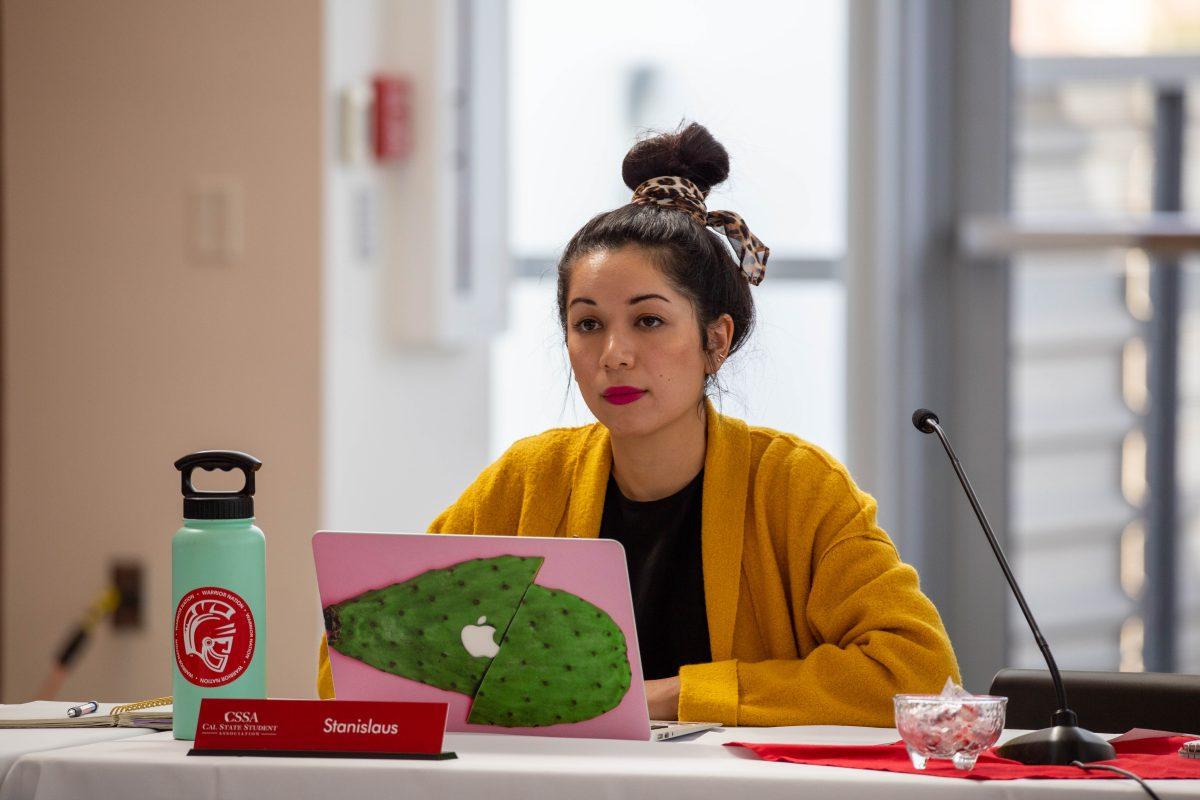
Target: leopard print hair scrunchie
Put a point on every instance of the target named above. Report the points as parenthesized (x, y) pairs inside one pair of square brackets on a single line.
[(677, 192)]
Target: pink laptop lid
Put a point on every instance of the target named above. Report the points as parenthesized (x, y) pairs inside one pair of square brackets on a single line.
[(519, 635)]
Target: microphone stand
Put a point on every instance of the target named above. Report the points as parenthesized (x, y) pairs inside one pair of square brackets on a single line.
[(1064, 741)]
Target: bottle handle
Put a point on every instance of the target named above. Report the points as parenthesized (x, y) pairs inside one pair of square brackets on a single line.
[(224, 460)]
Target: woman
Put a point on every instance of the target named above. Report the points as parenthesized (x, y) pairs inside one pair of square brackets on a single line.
[(764, 592)]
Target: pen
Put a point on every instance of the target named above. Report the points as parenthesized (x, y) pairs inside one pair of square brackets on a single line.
[(83, 708)]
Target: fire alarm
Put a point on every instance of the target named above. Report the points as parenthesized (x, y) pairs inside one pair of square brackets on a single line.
[(392, 118)]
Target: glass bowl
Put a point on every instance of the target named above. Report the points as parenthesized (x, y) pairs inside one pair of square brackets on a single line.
[(941, 726)]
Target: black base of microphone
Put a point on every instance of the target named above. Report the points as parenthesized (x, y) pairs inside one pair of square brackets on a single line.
[(1060, 744)]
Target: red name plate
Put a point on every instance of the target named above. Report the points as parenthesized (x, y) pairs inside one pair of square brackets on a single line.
[(315, 727)]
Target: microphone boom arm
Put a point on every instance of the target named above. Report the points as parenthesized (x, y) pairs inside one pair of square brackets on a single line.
[(1064, 742)]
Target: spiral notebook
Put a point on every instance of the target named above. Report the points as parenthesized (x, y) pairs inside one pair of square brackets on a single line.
[(154, 714)]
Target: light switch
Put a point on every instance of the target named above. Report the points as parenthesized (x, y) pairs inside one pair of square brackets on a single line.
[(354, 138), (216, 220)]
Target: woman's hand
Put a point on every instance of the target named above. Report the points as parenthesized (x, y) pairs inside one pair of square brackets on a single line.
[(662, 698)]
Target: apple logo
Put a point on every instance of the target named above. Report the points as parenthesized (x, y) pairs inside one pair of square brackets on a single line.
[(478, 641)]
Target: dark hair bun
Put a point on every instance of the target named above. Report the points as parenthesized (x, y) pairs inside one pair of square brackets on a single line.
[(691, 152)]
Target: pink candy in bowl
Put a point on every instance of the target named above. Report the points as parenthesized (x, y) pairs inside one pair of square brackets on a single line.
[(953, 725)]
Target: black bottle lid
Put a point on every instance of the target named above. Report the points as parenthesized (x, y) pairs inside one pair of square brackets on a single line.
[(218, 505)]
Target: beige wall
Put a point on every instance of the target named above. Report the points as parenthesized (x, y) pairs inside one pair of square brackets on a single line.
[(120, 353)]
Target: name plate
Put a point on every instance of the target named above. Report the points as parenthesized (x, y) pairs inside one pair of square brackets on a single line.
[(345, 728)]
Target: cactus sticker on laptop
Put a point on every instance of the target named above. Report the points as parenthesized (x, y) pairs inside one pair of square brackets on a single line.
[(562, 660), (415, 629), (557, 657)]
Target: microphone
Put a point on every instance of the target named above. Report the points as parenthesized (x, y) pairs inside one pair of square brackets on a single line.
[(1064, 741)]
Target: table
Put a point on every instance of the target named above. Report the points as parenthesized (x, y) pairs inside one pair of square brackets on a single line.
[(16, 742), (500, 767)]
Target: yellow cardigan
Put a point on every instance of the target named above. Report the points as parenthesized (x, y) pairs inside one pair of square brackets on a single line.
[(812, 617)]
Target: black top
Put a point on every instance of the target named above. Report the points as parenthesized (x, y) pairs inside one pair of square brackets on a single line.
[(218, 505), (662, 546)]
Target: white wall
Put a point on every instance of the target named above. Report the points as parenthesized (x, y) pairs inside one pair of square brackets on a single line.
[(404, 429)]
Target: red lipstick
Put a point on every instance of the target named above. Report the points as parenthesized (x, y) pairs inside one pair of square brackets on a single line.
[(620, 395)]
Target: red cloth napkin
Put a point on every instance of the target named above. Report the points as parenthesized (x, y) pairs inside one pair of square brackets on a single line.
[(1155, 757)]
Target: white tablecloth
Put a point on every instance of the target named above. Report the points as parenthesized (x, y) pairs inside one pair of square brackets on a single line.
[(16, 742), (518, 768)]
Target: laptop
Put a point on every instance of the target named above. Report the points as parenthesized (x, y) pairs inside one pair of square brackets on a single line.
[(518, 635)]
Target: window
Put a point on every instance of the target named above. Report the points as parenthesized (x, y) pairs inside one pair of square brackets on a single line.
[(777, 105), (1091, 76)]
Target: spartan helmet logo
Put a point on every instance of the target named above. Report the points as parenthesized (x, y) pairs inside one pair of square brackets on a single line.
[(208, 632)]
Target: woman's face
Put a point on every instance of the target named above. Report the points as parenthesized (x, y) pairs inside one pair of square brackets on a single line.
[(634, 343)]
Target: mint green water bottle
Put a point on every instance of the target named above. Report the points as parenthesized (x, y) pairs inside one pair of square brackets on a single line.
[(218, 582)]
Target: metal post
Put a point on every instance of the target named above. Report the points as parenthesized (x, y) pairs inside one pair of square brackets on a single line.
[(929, 141), (1161, 510), (464, 156)]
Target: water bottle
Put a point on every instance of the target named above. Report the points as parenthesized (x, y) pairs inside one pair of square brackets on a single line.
[(218, 586)]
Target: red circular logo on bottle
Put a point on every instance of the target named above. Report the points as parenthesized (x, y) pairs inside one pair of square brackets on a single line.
[(214, 636)]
